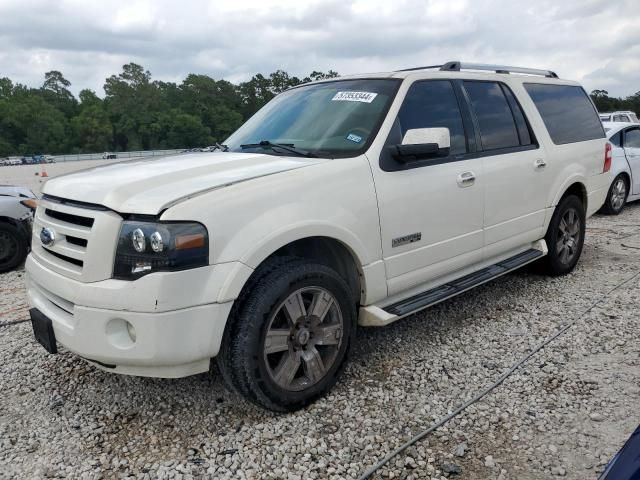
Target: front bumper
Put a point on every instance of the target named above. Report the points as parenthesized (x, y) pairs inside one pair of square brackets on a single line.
[(161, 325)]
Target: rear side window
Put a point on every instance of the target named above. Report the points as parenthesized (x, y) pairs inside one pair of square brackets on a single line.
[(632, 138), (497, 125), (566, 111), (617, 139), (432, 104)]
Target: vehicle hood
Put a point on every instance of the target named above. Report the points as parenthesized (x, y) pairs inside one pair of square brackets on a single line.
[(14, 191), (148, 186)]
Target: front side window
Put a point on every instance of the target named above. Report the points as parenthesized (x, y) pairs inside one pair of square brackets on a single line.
[(617, 118), (333, 119), (632, 138), (430, 104), (491, 108), (566, 111)]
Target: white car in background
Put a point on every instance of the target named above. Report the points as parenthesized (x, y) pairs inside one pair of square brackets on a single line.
[(626, 116), (625, 168)]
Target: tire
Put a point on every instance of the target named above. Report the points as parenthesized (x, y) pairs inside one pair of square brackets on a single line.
[(13, 247), (278, 354), (565, 238), (617, 196)]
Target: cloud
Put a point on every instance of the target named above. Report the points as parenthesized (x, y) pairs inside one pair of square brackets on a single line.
[(593, 41)]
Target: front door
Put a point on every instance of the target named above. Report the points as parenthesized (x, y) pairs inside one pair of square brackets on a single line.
[(431, 211), (631, 145)]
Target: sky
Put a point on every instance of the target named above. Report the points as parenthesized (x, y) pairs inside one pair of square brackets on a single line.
[(596, 42)]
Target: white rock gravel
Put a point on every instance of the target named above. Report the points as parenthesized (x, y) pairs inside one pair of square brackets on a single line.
[(563, 415)]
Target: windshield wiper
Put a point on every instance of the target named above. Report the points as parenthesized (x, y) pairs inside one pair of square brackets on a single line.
[(221, 147), (288, 147)]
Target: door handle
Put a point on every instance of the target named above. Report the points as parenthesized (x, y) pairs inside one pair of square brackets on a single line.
[(466, 179), (540, 163)]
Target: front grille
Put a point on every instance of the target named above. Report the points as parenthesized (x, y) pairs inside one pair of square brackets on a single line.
[(85, 238), (81, 242), (69, 218), (74, 261)]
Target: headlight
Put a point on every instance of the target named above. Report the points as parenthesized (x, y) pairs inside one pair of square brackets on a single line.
[(147, 247)]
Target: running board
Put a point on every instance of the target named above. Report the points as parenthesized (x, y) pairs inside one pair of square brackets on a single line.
[(380, 316)]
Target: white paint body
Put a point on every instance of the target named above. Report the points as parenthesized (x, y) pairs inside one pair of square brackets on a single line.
[(254, 204), (625, 160)]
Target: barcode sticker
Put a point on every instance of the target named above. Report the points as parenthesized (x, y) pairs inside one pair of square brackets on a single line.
[(364, 97)]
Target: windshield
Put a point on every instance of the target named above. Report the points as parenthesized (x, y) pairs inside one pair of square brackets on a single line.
[(333, 119), (634, 119)]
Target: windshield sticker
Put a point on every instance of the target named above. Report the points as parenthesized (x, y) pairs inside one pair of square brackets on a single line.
[(354, 138), (364, 97)]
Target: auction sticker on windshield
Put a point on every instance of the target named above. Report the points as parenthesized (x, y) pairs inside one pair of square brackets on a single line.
[(364, 97)]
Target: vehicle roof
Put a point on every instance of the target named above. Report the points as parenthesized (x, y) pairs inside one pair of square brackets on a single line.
[(482, 72), (615, 127), (617, 112)]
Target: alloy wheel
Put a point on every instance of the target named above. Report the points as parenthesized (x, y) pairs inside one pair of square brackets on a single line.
[(618, 194), (303, 338), (568, 241)]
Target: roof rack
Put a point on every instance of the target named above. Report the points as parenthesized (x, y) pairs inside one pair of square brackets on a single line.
[(457, 66)]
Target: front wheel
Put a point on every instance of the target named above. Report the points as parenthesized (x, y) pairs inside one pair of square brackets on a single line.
[(13, 247), (617, 196), (289, 334), (565, 236)]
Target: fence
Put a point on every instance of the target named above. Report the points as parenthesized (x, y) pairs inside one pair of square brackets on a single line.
[(121, 155)]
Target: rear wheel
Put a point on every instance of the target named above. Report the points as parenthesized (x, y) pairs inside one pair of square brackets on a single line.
[(565, 236), (617, 196), (289, 334)]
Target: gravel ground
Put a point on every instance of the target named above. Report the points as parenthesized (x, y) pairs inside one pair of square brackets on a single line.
[(563, 414)]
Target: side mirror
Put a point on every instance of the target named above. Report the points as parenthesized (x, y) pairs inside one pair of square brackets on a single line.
[(422, 143)]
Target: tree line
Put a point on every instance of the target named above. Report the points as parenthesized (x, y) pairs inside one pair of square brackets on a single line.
[(605, 103), (136, 113)]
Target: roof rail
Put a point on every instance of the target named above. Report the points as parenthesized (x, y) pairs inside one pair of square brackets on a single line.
[(418, 68), (457, 66)]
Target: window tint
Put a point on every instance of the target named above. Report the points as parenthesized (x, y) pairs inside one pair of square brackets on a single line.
[(433, 104), (617, 139), (566, 111), (497, 126), (632, 138), (523, 128)]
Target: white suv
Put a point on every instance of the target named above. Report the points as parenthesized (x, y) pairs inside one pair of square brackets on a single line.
[(352, 201)]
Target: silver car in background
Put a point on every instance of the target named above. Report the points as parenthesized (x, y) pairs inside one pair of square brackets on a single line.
[(17, 205), (624, 138)]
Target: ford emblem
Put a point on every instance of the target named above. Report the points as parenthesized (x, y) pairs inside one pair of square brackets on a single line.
[(47, 236)]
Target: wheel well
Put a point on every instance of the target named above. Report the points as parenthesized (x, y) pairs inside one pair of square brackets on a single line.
[(579, 190), (330, 252), (627, 177)]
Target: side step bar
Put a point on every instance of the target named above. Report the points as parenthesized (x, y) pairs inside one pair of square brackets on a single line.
[(380, 316)]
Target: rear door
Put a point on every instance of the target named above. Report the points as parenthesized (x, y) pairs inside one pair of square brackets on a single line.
[(631, 143), (515, 170)]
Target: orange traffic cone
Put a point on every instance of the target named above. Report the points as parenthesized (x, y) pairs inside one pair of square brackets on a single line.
[(44, 173)]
